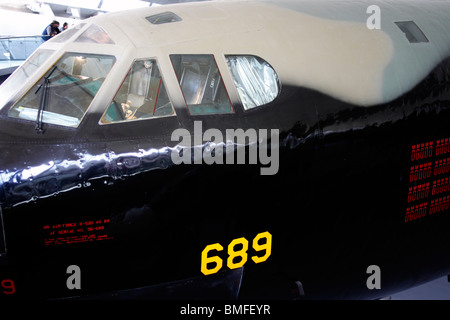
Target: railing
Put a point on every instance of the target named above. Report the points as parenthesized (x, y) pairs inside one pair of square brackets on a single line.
[(14, 50)]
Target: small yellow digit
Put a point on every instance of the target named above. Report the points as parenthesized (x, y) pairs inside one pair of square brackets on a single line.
[(260, 247), (240, 253), (214, 259)]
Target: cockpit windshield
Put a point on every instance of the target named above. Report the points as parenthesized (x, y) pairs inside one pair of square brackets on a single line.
[(18, 78), (63, 95)]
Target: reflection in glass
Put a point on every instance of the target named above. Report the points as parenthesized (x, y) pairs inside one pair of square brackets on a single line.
[(255, 80), (18, 78), (95, 34)]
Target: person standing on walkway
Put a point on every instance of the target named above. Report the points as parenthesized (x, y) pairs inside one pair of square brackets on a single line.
[(51, 30)]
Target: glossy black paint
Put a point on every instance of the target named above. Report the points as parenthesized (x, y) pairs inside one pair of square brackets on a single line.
[(335, 207)]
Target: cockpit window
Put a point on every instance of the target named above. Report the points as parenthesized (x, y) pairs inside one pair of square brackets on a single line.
[(201, 84), (142, 95), (18, 78), (162, 18), (256, 81), (67, 34), (63, 95), (412, 31), (95, 34)]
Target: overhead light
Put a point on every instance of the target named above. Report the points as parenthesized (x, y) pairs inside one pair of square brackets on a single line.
[(75, 13)]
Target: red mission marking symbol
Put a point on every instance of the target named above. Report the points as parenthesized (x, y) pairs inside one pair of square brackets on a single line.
[(429, 179)]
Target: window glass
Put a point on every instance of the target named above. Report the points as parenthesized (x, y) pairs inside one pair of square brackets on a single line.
[(95, 34), (63, 95), (255, 80), (412, 31), (165, 17), (142, 95), (67, 34), (17, 79), (201, 84)]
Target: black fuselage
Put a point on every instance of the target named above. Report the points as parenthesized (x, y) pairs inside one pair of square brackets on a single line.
[(110, 200)]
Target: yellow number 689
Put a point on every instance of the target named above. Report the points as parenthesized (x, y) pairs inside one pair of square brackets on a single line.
[(237, 253)]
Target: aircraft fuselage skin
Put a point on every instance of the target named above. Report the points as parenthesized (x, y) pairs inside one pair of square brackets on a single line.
[(352, 190)]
